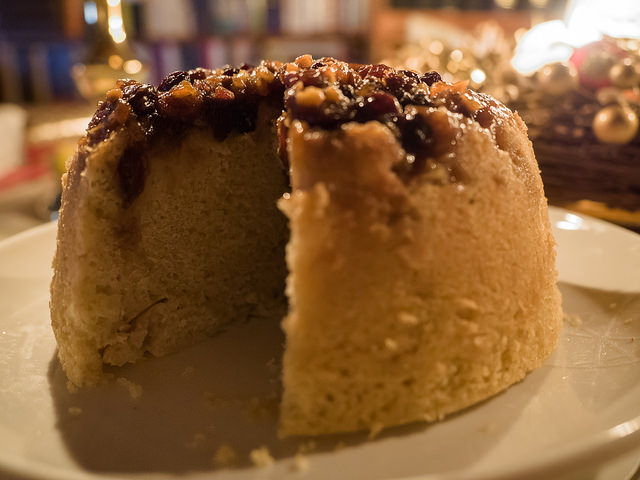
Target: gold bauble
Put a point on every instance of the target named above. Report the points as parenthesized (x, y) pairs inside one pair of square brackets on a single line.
[(624, 75), (558, 78), (615, 124)]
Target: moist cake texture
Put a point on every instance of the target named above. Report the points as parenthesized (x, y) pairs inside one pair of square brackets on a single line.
[(419, 265)]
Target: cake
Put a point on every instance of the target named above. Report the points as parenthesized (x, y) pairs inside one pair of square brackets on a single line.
[(405, 215)]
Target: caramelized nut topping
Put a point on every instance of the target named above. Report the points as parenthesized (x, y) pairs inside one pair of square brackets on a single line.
[(324, 93), (311, 97)]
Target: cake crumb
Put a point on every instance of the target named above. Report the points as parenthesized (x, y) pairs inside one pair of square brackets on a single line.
[(627, 321), (225, 456), (197, 440), (572, 319), (134, 389), (613, 305), (307, 447), (300, 463), (75, 411), (261, 457)]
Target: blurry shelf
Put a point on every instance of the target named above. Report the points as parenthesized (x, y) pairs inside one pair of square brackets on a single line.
[(391, 26)]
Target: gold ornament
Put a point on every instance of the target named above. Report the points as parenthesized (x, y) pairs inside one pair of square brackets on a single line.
[(624, 75), (615, 124), (558, 78)]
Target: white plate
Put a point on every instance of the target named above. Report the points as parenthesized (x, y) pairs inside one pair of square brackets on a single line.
[(581, 409)]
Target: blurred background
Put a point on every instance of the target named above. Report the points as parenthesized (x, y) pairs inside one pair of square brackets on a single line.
[(57, 58)]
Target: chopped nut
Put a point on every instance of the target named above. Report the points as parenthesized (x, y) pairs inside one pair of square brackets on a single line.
[(183, 89), (181, 101), (222, 93), (119, 115), (114, 94), (332, 94), (470, 103), (304, 61), (310, 97), (261, 457), (329, 73)]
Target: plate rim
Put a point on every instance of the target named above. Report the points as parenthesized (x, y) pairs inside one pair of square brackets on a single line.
[(596, 449)]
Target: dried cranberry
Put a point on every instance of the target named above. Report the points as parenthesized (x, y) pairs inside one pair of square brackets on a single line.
[(484, 117), (431, 77), (377, 105), (102, 113), (417, 136), (229, 71), (290, 78), (398, 84), (378, 70), (227, 82), (245, 117), (312, 78), (327, 116), (411, 74), (172, 80), (132, 171), (142, 98), (419, 97), (198, 74), (348, 90)]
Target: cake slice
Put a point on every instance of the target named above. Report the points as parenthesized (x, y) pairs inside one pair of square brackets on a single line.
[(419, 269), (412, 299)]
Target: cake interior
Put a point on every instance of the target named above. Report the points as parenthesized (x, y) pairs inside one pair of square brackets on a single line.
[(202, 245)]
